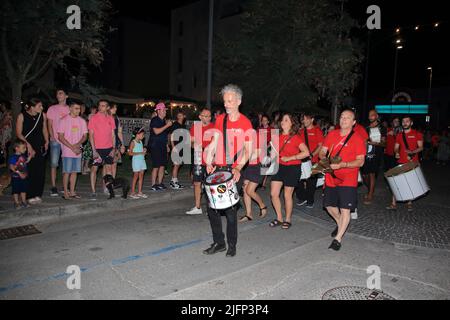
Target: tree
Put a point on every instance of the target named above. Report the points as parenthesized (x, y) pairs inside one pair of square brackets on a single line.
[(35, 36), (290, 53)]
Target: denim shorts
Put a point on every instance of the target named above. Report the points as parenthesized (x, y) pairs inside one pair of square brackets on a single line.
[(71, 165), (55, 154)]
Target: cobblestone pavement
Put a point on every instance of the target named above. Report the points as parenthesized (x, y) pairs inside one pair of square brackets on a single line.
[(427, 226)]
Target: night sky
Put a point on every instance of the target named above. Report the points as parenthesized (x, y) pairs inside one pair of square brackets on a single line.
[(421, 48)]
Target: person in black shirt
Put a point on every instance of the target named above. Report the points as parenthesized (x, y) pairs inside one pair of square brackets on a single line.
[(174, 141), (159, 132), (375, 150)]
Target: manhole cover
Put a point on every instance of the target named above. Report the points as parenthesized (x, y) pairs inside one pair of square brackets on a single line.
[(355, 293), (18, 232)]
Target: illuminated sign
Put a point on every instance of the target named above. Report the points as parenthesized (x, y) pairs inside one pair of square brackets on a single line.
[(403, 109)]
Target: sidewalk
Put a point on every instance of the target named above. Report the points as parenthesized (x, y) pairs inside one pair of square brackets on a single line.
[(57, 207)]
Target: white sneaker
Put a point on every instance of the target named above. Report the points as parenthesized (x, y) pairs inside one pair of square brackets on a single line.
[(134, 196), (142, 195), (354, 214), (194, 211)]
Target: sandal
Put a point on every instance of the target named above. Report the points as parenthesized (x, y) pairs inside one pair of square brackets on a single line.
[(75, 196), (391, 208), (261, 215), (245, 219), (286, 225), (275, 223)]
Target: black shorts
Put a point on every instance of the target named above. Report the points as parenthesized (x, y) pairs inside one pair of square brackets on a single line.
[(198, 173), (253, 174), (289, 175), (158, 154), (371, 165), (104, 156), (389, 162), (19, 186), (341, 197)]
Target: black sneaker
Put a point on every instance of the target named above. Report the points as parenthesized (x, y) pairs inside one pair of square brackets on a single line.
[(162, 186), (231, 251), (54, 192), (215, 248), (155, 187), (301, 203), (335, 245), (334, 233)]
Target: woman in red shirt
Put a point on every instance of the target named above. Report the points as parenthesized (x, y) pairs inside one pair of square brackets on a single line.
[(290, 151)]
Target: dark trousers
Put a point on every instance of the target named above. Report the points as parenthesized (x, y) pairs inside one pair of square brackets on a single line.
[(215, 219), (36, 175), (306, 190)]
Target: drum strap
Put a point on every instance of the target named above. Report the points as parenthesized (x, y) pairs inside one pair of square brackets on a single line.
[(405, 141), (225, 144), (345, 142), (307, 145)]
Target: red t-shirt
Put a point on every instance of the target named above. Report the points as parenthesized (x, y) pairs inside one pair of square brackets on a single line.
[(315, 136), (198, 131), (356, 146), (291, 148), (238, 132), (359, 129), (390, 142), (412, 137)]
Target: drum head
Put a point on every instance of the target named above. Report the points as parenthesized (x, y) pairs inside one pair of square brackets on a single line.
[(401, 169), (218, 177)]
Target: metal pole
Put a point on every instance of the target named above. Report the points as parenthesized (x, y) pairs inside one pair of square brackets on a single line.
[(210, 48), (395, 72), (366, 80)]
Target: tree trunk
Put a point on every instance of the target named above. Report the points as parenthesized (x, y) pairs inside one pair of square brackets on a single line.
[(16, 106)]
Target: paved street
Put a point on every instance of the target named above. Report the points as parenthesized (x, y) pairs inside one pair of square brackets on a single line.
[(155, 252)]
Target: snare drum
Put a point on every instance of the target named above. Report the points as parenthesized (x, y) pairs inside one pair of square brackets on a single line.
[(306, 170), (407, 182), (221, 190)]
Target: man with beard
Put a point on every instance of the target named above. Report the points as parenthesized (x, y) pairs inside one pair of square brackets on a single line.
[(375, 146), (408, 145)]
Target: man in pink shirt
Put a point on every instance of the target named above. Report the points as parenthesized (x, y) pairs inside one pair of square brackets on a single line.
[(72, 132), (54, 114), (102, 138)]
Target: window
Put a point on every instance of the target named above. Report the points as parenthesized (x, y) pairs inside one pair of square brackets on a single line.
[(180, 60), (180, 29)]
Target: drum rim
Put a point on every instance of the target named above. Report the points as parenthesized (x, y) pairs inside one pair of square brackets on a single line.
[(389, 173), (215, 184)]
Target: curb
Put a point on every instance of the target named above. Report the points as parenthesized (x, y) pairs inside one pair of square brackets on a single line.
[(52, 214)]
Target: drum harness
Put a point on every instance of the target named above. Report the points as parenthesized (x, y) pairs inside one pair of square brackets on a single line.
[(228, 167)]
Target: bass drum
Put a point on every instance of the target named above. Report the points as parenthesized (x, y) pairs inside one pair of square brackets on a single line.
[(407, 182)]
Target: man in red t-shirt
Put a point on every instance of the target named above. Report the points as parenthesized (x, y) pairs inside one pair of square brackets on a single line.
[(340, 192), (201, 134), (232, 158), (389, 156), (306, 189), (408, 145)]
